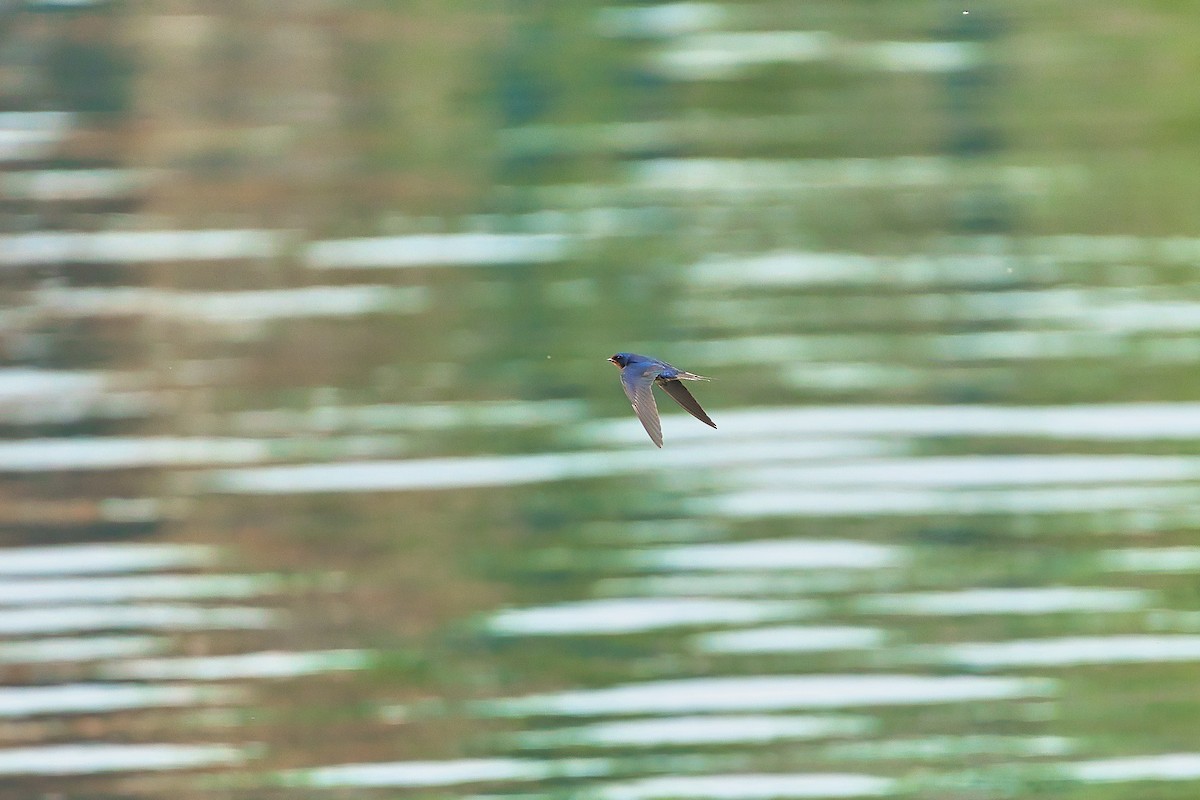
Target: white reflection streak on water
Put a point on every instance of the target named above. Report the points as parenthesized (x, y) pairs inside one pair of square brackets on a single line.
[(1162, 767), (85, 559), (909, 502), (137, 587), (20, 383), (708, 55), (67, 618), (92, 698), (931, 748), (918, 56), (750, 786), (1034, 600), (31, 135), (82, 759), (786, 268), (438, 250), (438, 473), (104, 453), (666, 20), (631, 615), (697, 730), (750, 582), (122, 247), (769, 554), (450, 473), (231, 308), (78, 649), (78, 184), (1116, 422), (979, 470), (848, 375), (1152, 559), (406, 416), (730, 54), (768, 693), (790, 639), (874, 355), (1066, 651), (443, 773), (111, 452), (31, 396), (242, 665), (1124, 310), (741, 177)]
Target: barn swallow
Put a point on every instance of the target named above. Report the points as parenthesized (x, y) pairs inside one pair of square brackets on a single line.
[(638, 376)]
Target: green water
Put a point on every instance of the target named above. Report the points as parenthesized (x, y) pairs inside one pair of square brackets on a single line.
[(939, 261)]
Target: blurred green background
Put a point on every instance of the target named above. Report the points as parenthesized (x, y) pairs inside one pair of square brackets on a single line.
[(314, 481)]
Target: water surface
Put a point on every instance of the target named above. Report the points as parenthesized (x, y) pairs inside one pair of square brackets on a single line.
[(316, 481)]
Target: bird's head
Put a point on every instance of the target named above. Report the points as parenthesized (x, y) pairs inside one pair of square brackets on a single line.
[(620, 359)]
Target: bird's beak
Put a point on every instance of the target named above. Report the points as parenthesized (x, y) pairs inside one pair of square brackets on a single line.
[(611, 360)]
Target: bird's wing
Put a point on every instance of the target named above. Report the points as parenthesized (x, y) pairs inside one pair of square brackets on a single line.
[(639, 388), (681, 395)]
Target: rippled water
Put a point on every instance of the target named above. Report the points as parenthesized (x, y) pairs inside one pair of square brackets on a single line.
[(315, 481)]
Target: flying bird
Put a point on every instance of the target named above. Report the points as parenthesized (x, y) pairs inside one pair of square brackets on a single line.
[(638, 376)]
